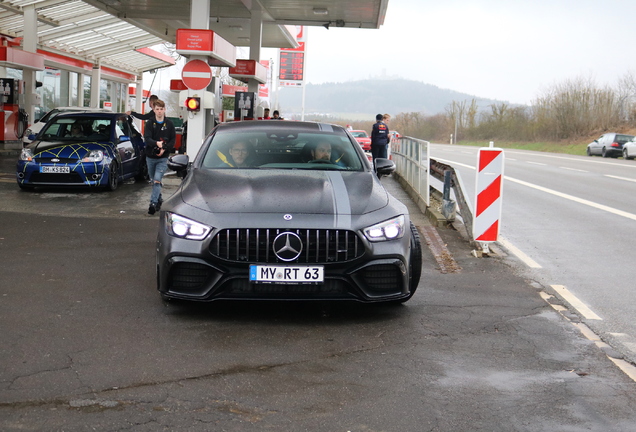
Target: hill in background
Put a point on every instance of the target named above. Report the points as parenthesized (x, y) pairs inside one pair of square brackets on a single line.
[(366, 98)]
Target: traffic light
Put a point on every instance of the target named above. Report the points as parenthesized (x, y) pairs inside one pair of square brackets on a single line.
[(193, 104)]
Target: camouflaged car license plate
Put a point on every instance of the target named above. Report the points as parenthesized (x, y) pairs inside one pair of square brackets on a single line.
[(55, 169)]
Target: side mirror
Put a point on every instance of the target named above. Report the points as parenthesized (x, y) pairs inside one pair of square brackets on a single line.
[(179, 164), (384, 167)]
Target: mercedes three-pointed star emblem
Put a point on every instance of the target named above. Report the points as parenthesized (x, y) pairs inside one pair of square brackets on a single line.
[(287, 246)]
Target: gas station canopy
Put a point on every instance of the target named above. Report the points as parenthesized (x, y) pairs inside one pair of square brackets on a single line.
[(73, 28), (231, 18), (114, 32)]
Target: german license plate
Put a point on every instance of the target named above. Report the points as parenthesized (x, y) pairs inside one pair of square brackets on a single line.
[(55, 169), (286, 274)]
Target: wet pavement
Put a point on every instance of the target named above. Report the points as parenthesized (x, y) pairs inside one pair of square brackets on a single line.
[(87, 343)]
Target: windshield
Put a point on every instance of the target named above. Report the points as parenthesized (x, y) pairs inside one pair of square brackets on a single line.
[(359, 134), (268, 149), (77, 128)]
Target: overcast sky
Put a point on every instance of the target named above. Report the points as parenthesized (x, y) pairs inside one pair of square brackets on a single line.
[(508, 50)]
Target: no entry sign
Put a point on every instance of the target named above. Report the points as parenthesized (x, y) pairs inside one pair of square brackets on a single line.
[(196, 75)]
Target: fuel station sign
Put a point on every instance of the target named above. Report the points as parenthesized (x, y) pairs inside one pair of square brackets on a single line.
[(292, 63)]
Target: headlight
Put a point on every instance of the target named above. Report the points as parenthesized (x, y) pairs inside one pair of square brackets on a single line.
[(388, 230), (94, 156), (178, 226), (26, 154)]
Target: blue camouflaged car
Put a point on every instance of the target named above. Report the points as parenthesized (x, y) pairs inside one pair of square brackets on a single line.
[(93, 149)]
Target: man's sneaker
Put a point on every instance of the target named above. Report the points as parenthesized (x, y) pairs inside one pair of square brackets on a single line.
[(158, 205), (152, 209)]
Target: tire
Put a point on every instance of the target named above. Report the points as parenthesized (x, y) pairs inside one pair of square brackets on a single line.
[(415, 261), (604, 152), (25, 187), (625, 155), (415, 264), (113, 178), (142, 175), (589, 152)]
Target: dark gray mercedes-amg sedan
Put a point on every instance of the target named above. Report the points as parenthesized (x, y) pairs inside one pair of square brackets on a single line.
[(285, 210)]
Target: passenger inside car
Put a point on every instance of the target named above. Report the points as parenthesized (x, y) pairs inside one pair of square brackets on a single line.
[(238, 155), (76, 131)]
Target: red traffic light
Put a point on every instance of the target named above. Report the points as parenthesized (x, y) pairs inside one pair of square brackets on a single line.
[(193, 104)]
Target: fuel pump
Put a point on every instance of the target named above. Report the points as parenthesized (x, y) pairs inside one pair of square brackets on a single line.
[(14, 120)]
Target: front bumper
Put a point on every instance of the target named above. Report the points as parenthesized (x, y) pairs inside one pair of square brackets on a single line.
[(187, 270)]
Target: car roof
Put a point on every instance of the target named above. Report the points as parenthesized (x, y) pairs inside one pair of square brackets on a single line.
[(277, 125), (80, 109), (98, 114)]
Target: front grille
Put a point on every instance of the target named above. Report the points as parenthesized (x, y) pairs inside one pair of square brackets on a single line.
[(71, 178), (255, 245), (188, 276)]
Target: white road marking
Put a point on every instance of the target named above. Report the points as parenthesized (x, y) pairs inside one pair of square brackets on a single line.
[(575, 302), (621, 178), (518, 253), (573, 169), (575, 199), (557, 193), (536, 163)]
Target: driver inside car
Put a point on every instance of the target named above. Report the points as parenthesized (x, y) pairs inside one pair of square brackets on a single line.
[(322, 152)]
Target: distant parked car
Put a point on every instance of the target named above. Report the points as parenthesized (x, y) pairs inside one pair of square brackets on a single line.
[(96, 149), (608, 145), (394, 134), (36, 126), (629, 149), (362, 138)]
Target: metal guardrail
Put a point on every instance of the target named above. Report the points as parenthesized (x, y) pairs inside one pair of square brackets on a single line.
[(414, 165), (411, 157), (446, 174)]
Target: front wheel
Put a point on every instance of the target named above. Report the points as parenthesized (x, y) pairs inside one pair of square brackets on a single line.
[(113, 178), (25, 187), (415, 263), (626, 156), (142, 175)]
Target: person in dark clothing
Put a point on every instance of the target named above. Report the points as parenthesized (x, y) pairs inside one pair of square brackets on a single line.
[(160, 136), (379, 138), (150, 114)]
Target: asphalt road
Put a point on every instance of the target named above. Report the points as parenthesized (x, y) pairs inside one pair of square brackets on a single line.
[(87, 344), (574, 217)]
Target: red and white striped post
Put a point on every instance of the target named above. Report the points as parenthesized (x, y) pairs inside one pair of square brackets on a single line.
[(488, 190)]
